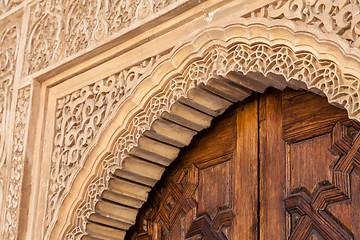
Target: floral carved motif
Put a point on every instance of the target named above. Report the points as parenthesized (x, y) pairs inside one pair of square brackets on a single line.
[(6, 5), (9, 37), (8, 49), (87, 22), (301, 68), (61, 28), (16, 165), (79, 117), (338, 17)]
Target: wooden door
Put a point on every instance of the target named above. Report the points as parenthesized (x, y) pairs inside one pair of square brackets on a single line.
[(280, 165)]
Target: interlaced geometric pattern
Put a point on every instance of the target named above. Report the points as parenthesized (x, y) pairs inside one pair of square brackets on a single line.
[(173, 202), (312, 207), (203, 227)]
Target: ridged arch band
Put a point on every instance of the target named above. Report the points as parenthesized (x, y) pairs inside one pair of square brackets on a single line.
[(197, 81)]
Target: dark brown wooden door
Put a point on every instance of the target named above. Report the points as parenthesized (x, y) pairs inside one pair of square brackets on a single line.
[(280, 165)]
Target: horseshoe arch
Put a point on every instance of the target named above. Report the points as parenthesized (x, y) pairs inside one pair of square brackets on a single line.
[(197, 81)]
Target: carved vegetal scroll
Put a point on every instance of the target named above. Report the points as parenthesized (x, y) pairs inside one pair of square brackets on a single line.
[(10, 169), (219, 69), (60, 29), (9, 37), (6, 5), (313, 207), (13, 192), (79, 117), (338, 17), (87, 23)]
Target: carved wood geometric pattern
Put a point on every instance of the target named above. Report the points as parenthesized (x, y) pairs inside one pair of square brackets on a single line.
[(174, 200), (177, 200), (302, 203), (51, 37), (222, 72), (203, 227), (312, 207)]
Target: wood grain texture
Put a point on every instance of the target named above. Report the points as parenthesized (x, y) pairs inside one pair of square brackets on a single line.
[(245, 171), (269, 168), (306, 115), (310, 162), (272, 167), (210, 155)]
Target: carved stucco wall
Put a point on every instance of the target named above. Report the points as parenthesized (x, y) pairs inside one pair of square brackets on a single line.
[(42, 41), (35, 35)]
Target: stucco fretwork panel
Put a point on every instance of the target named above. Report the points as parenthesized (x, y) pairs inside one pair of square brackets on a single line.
[(338, 17), (219, 67), (61, 28), (79, 117), (10, 172), (13, 193), (85, 24), (9, 37), (6, 5)]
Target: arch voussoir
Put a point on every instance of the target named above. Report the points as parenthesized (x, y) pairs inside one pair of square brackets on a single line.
[(201, 87)]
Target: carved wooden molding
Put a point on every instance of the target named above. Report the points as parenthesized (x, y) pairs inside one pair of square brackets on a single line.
[(312, 207), (202, 78), (203, 227), (173, 201)]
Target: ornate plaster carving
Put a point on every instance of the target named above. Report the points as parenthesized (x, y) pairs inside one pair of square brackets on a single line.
[(61, 28), (17, 162), (79, 117), (6, 5), (220, 71), (338, 17), (88, 22), (9, 39)]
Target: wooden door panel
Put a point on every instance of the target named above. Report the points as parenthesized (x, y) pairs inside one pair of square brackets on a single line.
[(214, 188), (245, 170), (281, 165), (272, 167), (310, 162), (348, 212), (194, 198), (318, 177), (306, 115)]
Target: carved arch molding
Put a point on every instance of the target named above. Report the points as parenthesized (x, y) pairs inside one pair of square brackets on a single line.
[(273, 46)]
